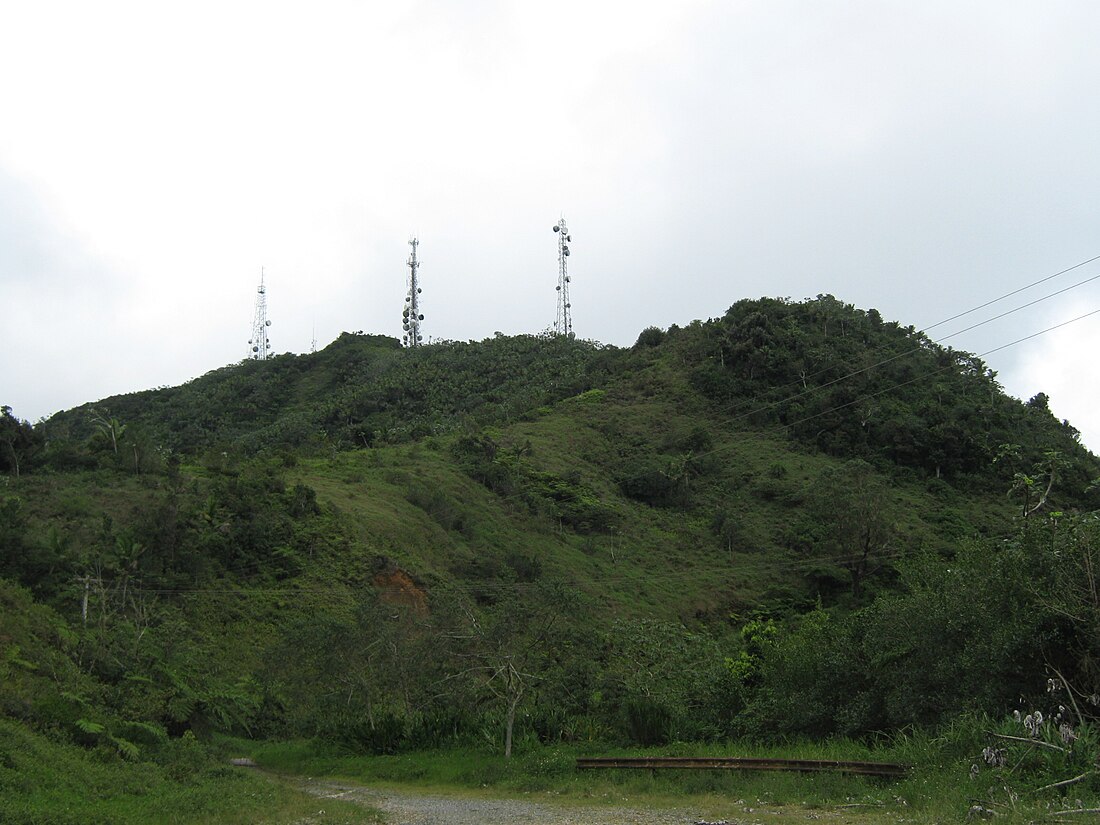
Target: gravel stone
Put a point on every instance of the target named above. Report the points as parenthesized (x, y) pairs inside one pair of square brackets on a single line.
[(422, 809)]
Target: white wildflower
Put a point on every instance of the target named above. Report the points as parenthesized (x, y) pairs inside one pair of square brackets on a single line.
[(1068, 734), (994, 757)]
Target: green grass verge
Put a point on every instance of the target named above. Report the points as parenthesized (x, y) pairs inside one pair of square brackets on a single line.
[(43, 782)]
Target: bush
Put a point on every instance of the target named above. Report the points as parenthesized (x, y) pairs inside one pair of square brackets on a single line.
[(656, 480), (438, 505), (809, 680), (646, 721), (385, 734)]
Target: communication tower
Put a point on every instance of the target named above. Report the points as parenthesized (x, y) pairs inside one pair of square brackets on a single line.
[(563, 323), (259, 345), (411, 316)]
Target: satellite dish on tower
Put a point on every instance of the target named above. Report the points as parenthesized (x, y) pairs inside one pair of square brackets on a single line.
[(258, 343), (563, 323), (412, 316)]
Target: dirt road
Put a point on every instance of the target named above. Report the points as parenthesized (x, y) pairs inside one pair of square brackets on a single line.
[(404, 808)]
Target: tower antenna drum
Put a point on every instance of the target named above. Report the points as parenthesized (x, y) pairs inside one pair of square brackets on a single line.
[(259, 345), (411, 315), (563, 321)]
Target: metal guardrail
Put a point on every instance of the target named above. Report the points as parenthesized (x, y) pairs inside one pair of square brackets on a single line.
[(746, 764)]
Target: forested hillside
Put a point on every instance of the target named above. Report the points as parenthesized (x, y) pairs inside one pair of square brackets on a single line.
[(797, 518)]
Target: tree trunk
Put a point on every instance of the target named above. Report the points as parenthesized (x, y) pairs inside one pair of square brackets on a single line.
[(509, 725)]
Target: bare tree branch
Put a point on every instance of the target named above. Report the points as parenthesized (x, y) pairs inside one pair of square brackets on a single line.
[(1038, 742), (1065, 782)]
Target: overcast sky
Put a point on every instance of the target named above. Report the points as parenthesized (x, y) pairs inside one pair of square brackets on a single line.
[(920, 158)]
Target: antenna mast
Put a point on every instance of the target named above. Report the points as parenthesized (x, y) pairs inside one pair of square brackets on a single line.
[(563, 323), (259, 347), (411, 316)]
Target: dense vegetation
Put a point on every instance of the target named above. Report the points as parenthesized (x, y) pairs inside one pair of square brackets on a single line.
[(794, 520)]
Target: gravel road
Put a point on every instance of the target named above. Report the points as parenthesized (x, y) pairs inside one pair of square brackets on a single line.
[(404, 808), (423, 809)]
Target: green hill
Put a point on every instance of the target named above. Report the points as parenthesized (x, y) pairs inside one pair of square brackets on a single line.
[(722, 530)]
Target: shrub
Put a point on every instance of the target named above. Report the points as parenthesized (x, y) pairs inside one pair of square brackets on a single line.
[(647, 721)]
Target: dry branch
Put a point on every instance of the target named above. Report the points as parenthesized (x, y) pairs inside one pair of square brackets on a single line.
[(1065, 782), (1077, 811), (1038, 742)]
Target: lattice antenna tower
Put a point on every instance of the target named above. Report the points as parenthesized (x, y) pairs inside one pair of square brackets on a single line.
[(411, 316), (259, 345), (563, 323)]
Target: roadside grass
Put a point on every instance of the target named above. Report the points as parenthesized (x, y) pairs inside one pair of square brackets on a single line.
[(43, 782), (939, 788)]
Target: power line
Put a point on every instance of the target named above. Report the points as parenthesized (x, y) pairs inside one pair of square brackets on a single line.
[(914, 380), (1014, 292), (918, 348)]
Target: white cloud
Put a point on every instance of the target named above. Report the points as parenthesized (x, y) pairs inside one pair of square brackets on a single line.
[(918, 158)]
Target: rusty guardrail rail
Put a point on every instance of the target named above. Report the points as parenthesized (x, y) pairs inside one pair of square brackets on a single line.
[(745, 764)]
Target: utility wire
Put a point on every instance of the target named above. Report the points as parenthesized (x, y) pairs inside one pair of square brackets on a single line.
[(918, 348), (914, 380), (1014, 292)]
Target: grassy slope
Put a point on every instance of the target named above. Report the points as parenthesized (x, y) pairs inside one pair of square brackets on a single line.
[(664, 562), (62, 773), (659, 562), (44, 782)]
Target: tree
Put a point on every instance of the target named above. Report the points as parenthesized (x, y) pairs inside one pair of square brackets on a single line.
[(663, 681), (1065, 550), (18, 440), (749, 344), (111, 428), (506, 651), (13, 530), (856, 530), (964, 634), (1034, 486), (650, 337), (806, 677)]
